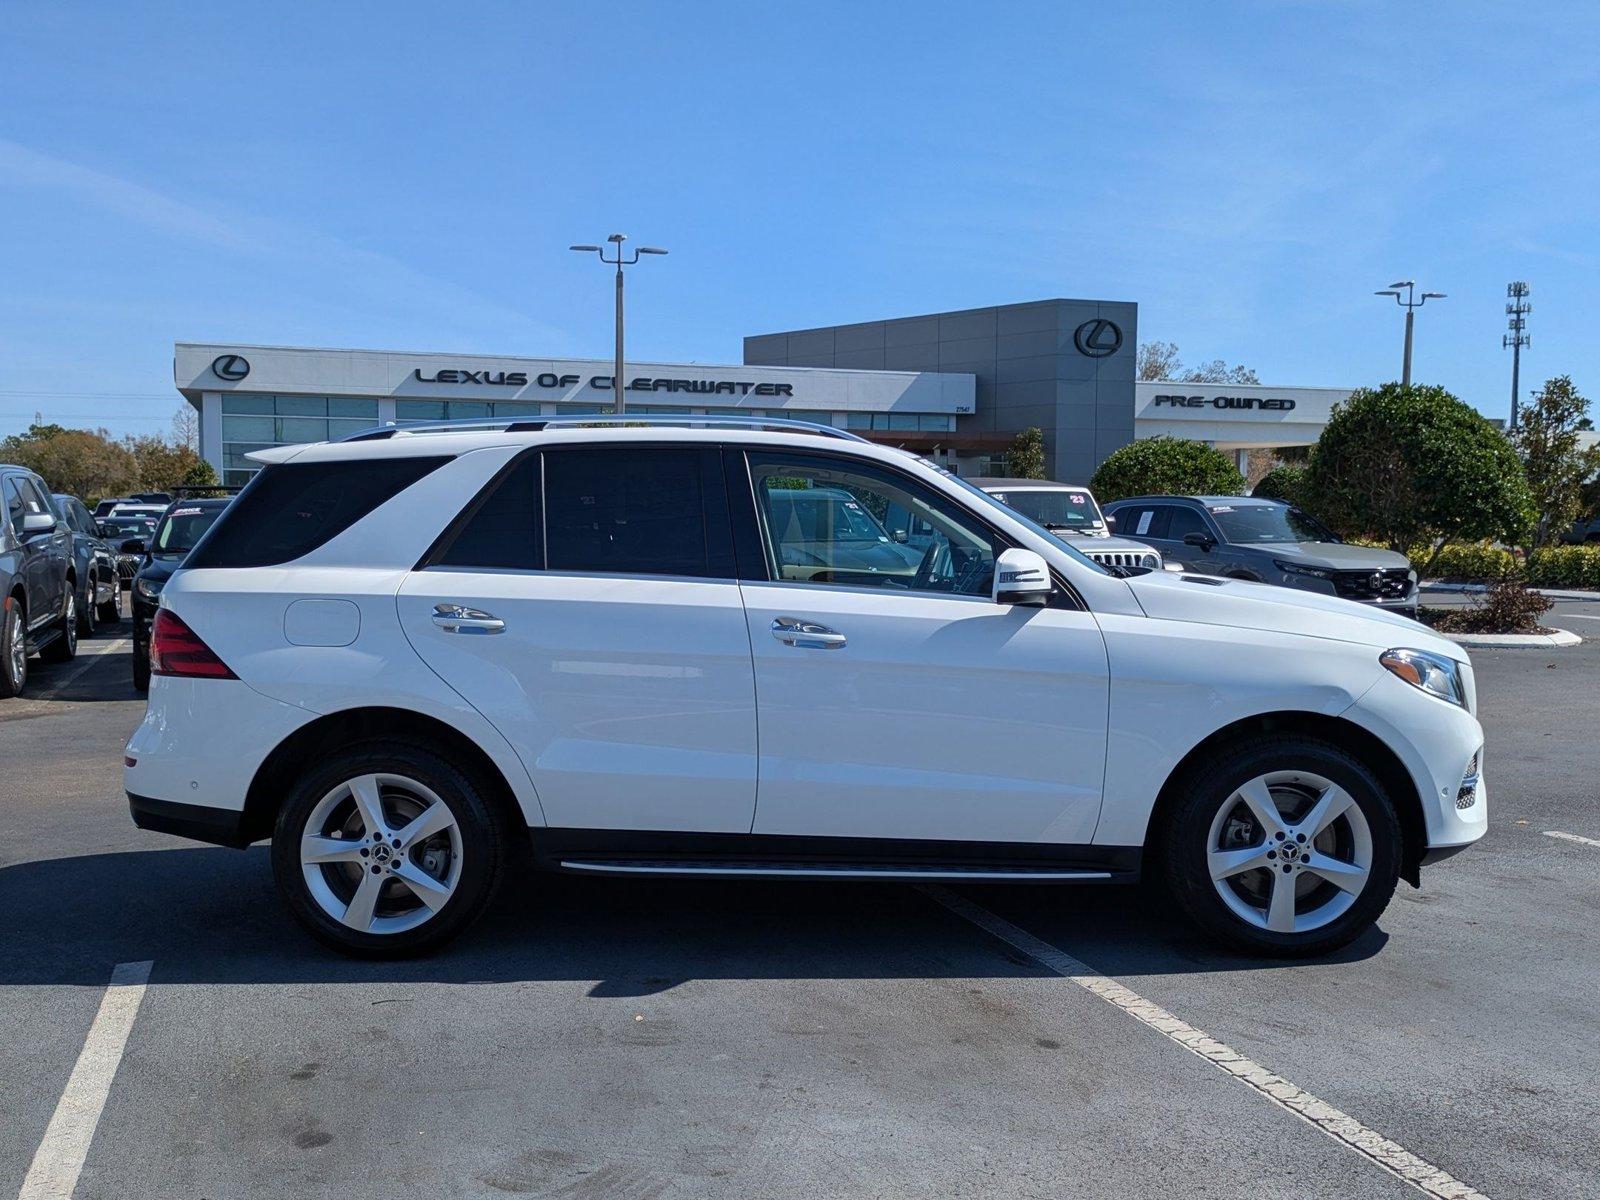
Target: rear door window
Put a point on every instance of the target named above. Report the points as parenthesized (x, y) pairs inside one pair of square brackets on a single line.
[(289, 509), (1182, 522), (644, 511), (503, 529)]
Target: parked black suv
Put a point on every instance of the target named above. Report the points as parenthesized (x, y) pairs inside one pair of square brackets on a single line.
[(38, 586), (1242, 537), (94, 564), (179, 529)]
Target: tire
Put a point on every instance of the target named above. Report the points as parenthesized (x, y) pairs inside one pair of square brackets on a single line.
[(110, 613), (141, 668), (13, 634), (64, 647), (86, 610), (1214, 824), (360, 900)]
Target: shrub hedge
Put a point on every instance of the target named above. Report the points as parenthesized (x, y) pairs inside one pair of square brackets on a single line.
[(1565, 567)]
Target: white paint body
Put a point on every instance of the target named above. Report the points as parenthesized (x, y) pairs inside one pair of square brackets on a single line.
[(654, 703)]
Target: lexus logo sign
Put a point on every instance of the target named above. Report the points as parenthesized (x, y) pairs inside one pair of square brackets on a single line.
[(232, 367), (1097, 338)]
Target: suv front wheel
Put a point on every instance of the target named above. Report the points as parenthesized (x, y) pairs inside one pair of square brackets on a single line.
[(1285, 845), (386, 850)]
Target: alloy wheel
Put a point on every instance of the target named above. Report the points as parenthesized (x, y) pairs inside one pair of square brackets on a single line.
[(70, 617), (381, 853), (17, 647), (1289, 851)]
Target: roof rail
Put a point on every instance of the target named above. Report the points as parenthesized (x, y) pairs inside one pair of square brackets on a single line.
[(536, 424)]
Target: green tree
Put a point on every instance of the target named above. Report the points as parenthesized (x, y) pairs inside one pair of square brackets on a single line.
[(162, 463), (1025, 455), (201, 475), (81, 462), (1166, 466), (1281, 483), (1556, 462), (1409, 465)]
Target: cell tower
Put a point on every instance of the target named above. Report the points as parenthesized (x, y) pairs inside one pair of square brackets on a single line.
[(1517, 310)]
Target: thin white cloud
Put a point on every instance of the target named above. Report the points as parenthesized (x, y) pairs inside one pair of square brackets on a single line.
[(334, 264)]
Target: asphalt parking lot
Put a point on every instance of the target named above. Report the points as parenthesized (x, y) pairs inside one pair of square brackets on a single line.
[(638, 1040)]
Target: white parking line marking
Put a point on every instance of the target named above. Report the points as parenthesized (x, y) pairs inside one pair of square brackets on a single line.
[(1581, 616), (1571, 837), (90, 656), (1371, 1145), (53, 1174)]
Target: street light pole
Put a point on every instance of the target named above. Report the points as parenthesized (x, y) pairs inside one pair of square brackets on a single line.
[(616, 239), (1410, 303)]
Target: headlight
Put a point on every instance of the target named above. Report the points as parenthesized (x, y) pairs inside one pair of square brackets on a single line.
[(149, 589), (1433, 673), (1289, 568), (1150, 560)]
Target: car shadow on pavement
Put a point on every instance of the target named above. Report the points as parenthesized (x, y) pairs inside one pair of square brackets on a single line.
[(213, 916)]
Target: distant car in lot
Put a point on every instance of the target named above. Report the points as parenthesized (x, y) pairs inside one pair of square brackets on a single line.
[(826, 535), (119, 532), (156, 500), (1070, 512), (95, 565), (412, 658), (38, 585), (175, 535), (1242, 537), (1583, 532)]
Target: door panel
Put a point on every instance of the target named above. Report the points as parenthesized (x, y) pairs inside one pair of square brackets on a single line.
[(630, 700), (941, 717)]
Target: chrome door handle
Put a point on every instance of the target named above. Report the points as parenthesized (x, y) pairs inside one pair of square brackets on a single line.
[(458, 618), (794, 631)]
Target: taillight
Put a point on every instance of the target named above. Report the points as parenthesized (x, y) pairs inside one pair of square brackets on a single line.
[(175, 649)]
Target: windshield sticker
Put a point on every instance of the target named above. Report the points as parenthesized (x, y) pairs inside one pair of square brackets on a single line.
[(1077, 497), (1144, 521), (187, 512), (1221, 508)]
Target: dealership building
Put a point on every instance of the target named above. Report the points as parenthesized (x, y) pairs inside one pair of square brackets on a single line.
[(955, 386)]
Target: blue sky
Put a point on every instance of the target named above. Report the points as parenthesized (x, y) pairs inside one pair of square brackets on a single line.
[(408, 176)]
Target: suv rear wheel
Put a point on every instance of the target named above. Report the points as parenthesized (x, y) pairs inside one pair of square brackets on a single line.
[(64, 647), (1288, 845), (13, 649), (387, 850)]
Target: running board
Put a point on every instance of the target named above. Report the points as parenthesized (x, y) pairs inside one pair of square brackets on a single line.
[(817, 870)]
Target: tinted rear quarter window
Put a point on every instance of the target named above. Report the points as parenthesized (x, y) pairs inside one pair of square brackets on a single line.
[(290, 509)]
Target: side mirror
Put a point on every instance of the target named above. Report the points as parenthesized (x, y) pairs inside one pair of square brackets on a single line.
[(1204, 540), (132, 546), (34, 524), (900, 535), (1022, 577), (1111, 522)]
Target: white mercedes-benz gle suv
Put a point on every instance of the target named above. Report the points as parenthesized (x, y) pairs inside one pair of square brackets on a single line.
[(419, 658)]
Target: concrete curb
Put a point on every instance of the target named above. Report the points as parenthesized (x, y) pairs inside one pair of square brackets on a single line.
[(1513, 641), (1473, 588)]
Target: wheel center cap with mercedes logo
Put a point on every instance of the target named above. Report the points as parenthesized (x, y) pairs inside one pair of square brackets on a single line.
[(1098, 338), (232, 367)]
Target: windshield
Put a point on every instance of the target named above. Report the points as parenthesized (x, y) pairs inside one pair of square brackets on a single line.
[(1253, 524), (127, 527), (989, 500), (1063, 509), (181, 528), (824, 516)]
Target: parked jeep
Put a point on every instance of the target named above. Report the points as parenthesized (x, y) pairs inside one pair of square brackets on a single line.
[(1070, 512), (38, 586)]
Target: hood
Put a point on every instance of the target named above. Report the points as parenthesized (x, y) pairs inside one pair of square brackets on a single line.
[(161, 566), (1336, 556), (1240, 604), (1105, 543)]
